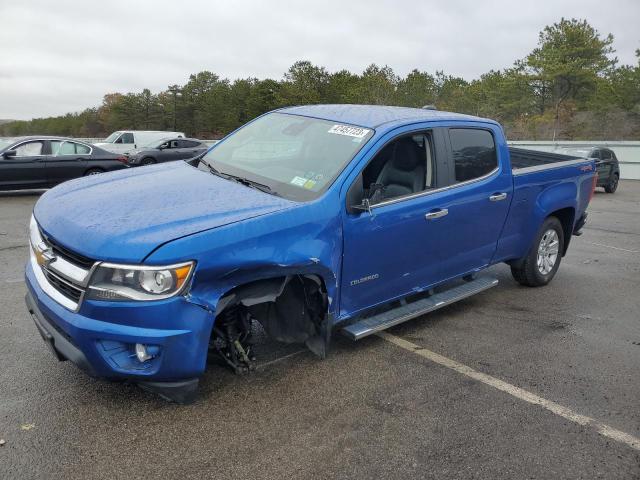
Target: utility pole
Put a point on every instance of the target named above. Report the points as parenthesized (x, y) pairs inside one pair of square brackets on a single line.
[(175, 90)]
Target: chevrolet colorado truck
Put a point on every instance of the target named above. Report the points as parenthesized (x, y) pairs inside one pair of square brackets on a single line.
[(309, 220)]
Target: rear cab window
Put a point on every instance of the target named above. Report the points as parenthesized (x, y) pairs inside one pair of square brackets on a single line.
[(473, 151)]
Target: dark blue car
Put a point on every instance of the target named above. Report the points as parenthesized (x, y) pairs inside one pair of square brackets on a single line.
[(308, 220)]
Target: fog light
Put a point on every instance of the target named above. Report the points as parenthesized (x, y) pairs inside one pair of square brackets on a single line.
[(142, 354)]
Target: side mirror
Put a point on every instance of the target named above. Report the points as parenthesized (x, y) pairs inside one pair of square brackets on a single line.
[(365, 206), (9, 153)]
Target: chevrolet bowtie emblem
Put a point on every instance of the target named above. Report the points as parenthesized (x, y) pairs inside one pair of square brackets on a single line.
[(44, 254)]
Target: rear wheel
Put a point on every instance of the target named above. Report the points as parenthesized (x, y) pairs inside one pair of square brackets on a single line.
[(93, 171), (542, 262), (612, 186)]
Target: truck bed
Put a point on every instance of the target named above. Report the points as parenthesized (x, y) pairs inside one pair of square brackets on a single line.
[(536, 160)]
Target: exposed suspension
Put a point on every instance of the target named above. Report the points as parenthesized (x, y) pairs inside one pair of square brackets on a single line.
[(230, 342)]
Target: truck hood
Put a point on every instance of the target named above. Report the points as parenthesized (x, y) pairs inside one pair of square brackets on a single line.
[(123, 216)]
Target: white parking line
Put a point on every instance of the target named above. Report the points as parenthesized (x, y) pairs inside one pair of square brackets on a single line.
[(614, 248), (605, 430), (279, 359)]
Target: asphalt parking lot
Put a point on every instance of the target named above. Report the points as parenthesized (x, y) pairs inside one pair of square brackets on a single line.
[(372, 409)]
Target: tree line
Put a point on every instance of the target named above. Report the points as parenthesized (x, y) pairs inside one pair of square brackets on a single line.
[(569, 87)]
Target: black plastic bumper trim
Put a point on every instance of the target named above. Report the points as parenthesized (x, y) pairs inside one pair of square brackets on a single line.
[(61, 347), (182, 392), (579, 224)]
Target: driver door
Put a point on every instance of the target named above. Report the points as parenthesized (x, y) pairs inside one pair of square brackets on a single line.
[(394, 248), (25, 170)]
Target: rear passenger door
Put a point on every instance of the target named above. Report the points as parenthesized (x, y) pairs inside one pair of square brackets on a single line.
[(479, 192), (68, 160)]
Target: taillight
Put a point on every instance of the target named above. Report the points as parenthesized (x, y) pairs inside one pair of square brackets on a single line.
[(123, 159), (594, 182)]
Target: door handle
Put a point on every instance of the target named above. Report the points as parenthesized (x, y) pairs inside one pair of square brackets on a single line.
[(436, 214), (496, 197)]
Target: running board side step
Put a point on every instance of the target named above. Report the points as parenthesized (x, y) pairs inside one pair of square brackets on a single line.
[(382, 321)]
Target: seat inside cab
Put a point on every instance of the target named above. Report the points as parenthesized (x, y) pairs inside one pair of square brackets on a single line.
[(403, 167)]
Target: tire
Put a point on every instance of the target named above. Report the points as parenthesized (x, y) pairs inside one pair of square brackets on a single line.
[(543, 260), (93, 171), (612, 186), (147, 161)]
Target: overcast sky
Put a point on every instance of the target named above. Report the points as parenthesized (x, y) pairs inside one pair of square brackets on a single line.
[(64, 55)]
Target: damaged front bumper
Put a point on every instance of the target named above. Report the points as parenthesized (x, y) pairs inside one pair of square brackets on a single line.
[(101, 339)]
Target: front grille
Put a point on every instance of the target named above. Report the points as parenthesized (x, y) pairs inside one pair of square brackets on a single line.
[(70, 256), (65, 288)]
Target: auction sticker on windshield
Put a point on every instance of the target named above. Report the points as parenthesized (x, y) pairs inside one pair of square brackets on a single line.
[(356, 132)]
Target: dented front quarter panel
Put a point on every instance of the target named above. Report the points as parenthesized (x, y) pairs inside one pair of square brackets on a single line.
[(305, 239)]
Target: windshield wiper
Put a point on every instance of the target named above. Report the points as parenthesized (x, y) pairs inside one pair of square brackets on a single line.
[(251, 183), (243, 181)]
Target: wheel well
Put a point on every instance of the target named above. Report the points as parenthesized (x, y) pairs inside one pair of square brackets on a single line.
[(290, 308), (566, 217), (94, 169)]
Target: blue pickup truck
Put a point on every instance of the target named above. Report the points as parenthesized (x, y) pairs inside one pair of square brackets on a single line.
[(306, 221)]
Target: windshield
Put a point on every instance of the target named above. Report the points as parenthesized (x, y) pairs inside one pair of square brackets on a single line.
[(577, 152), (296, 157), (5, 142), (112, 138)]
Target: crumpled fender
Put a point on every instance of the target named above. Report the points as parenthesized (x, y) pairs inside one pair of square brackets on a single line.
[(304, 240)]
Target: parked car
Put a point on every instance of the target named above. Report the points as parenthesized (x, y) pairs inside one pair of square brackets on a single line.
[(309, 220), (167, 150), (39, 162), (606, 163), (124, 141)]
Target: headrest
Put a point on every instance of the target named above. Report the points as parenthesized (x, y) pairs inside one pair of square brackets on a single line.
[(405, 156)]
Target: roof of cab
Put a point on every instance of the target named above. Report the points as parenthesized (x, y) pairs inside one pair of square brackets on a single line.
[(373, 116)]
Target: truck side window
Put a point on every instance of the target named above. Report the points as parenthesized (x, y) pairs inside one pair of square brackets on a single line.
[(403, 167), (474, 153), (606, 154)]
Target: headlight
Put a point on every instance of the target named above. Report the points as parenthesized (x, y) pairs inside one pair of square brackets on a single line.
[(127, 282)]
